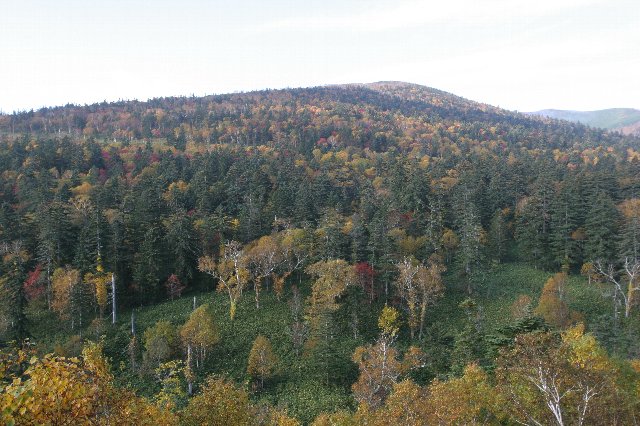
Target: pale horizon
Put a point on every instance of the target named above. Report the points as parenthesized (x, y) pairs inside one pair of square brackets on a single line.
[(552, 54)]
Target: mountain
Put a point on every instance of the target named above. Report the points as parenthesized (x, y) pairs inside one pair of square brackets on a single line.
[(375, 115), (347, 229), (625, 120)]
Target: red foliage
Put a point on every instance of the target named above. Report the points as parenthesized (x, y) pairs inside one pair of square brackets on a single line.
[(174, 286), (33, 285), (102, 175), (365, 278)]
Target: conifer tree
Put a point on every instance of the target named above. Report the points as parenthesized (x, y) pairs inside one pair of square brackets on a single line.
[(600, 227)]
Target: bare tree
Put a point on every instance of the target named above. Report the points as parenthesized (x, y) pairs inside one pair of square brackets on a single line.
[(626, 277)]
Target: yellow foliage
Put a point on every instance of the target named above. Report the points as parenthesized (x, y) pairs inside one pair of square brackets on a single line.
[(63, 282), (75, 391), (389, 321), (220, 403), (262, 360), (630, 208), (82, 190), (200, 332), (465, 400)]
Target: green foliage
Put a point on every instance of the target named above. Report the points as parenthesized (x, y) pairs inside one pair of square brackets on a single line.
[(328, 189), (160, 343)]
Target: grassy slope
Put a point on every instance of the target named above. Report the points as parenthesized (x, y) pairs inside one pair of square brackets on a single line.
[(296, 388)]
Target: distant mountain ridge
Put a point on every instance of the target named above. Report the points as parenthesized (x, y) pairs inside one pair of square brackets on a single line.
[(378, 116), (625, 120)]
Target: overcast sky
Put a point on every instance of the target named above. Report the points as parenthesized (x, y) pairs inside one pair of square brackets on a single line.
[(520, 55)]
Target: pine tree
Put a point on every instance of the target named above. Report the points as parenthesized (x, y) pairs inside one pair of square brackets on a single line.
[(147, 263), (470, 344), (471, 234), (12, 292), (600, 228), (497, 246), (565, 237)]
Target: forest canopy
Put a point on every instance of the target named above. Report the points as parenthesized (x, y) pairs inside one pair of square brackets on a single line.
[(356, 254)]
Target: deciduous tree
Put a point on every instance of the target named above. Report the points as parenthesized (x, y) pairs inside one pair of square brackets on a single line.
[(230, 270), (262, 362)]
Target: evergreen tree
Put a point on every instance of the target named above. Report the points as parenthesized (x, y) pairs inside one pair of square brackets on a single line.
[(565, 236), (600, 228), (181, 243), (147, 263), (470, 344), (497, 246), (12, 294), (470, 232)]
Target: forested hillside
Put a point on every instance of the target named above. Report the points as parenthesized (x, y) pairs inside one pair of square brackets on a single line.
[(356, 254)]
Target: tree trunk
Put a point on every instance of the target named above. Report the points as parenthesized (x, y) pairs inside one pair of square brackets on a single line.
[(113, 299)]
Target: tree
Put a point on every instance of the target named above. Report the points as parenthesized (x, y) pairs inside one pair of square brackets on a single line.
[(58, 390), (471, 237), (497, 236), (262, 361), (565, 237), (70, 295), (406, 405), (295, 250), (181, 244), (12, 290), (469, 399), (419, 286), (160, 344), (630, 229), (631, 274), (298, 330), (407, 286), (552, 306), (230, 270), (98, 282), (170, 376), (220, 403), (470, 346), (147, 262), (52, 239), (199, 334), (550, 380), (174, 287), (264, 256), (380, 365), (365, 279), (588, 270), (600, 227), (430, 285), (332, 279)]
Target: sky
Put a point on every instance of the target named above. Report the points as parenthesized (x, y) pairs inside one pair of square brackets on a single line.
[(519, 55)]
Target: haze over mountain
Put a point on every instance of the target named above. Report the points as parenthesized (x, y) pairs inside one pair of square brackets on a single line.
[(625, 120)]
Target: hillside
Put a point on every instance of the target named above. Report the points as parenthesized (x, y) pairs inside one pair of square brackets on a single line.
[(352, 114), (349, 254), (625, 120)]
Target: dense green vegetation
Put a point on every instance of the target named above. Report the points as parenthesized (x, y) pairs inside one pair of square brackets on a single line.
[(387, 231)]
